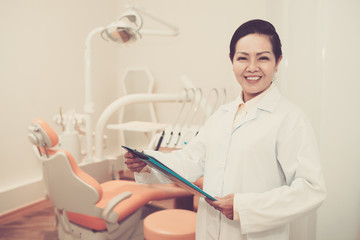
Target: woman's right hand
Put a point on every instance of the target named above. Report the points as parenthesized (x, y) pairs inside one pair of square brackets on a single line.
[(133, 163)]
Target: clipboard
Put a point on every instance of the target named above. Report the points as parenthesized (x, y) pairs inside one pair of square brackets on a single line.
[(170, 174)]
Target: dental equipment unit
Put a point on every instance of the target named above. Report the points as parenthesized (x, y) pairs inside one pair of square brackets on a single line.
[(125, 30), (127, 100), (180, 133)]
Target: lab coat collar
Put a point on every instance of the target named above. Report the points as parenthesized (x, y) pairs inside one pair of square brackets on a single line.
[(269, 101), (266, 103)]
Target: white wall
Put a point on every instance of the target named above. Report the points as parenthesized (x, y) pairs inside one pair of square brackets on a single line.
[(339, 137), (320, 43)]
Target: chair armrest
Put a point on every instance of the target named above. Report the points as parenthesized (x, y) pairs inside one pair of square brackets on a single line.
[(108, 214)]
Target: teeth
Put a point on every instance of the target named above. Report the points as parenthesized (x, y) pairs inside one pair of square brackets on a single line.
[(252, 78)]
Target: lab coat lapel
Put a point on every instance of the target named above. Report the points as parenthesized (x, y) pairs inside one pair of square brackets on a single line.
[(249, 116), (229, 110), (267, 103)]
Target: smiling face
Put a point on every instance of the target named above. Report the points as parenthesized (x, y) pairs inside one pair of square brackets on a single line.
[(254, 64)]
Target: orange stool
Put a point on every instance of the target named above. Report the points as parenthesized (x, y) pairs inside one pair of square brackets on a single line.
[(171, 224)]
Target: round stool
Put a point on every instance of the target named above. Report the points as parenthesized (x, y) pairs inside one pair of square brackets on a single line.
[(170, 224)]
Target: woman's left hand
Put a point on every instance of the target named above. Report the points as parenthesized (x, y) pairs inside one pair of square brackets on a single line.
[(224, 204)]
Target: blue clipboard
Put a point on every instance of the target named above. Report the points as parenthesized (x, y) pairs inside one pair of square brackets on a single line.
[(170, 174)]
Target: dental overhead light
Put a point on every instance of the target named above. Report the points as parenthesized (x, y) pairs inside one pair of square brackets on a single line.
[(127, 29)]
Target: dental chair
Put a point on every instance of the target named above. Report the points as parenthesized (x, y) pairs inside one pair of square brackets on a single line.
[(84, 208)]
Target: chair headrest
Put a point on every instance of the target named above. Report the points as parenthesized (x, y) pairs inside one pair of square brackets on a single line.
[(41, 134)]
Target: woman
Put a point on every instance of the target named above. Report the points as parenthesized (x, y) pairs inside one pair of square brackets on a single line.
[(257, 154)]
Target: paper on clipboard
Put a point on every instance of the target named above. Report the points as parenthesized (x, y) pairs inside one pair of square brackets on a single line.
[(167, 172)]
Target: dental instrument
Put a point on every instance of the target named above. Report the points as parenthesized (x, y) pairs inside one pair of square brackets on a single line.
[(190, 117), (178, 116), (197, 106), (187, 115), (213, 90), (69, 138), (160, 141), (61, 119), (181, 131)]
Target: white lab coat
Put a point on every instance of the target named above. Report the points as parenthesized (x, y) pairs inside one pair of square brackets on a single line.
[(270, 161)]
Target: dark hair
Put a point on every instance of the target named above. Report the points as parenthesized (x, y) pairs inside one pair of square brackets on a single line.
[(260, 27)]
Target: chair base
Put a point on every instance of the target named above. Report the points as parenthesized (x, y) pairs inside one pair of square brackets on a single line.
[(129, 228)]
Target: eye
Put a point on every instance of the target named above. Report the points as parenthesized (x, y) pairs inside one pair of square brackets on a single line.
[(241, 59), (264, 58)]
